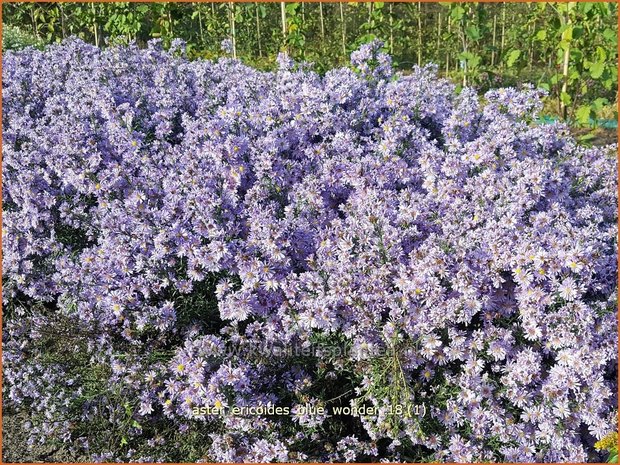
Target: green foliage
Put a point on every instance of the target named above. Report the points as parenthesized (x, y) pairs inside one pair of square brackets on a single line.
[(13, 38), (512, 58), (475, 44), (582, 47), (388, 381)]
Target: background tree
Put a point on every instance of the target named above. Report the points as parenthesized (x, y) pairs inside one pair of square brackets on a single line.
[(570, 49)]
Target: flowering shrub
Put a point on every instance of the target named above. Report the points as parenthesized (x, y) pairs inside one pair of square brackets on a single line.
[(182, 234)]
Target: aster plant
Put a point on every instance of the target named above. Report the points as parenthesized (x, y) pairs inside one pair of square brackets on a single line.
[(182, 234)]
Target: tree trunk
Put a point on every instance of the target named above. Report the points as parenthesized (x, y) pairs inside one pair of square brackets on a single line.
[(233, 33), (95, 27), (170, 22), (344, 32), (283, 18), (565, 67), (503, 40), (260, 49), (391, 29), (322, 26), (494, 40), (202, 38), (62, 20), (322, 21), (464, 43), (447, 47), (419, 34), (531, 54), (532, 39), (438, 35), (35, 28)]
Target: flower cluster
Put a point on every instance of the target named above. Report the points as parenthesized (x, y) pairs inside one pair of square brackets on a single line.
[(165, 220)]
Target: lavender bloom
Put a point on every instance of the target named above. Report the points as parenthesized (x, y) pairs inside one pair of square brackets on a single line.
[(176, 228)]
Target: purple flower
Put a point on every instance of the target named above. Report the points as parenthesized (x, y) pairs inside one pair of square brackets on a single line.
[(194, 234)]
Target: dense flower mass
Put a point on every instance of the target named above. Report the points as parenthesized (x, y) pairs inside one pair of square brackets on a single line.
[(183, 234)]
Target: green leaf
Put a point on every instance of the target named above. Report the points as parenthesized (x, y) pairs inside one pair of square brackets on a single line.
[(585, 7), (604, 9), (128, 409), (597, 69), (574, 76), (587, 137), (583, 114), (541, 35), (599, 103), (568, 33), (613, 458), (512, 58), (610, 34), (473, 33), (457, 13), (565, 98), (601, 54)]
